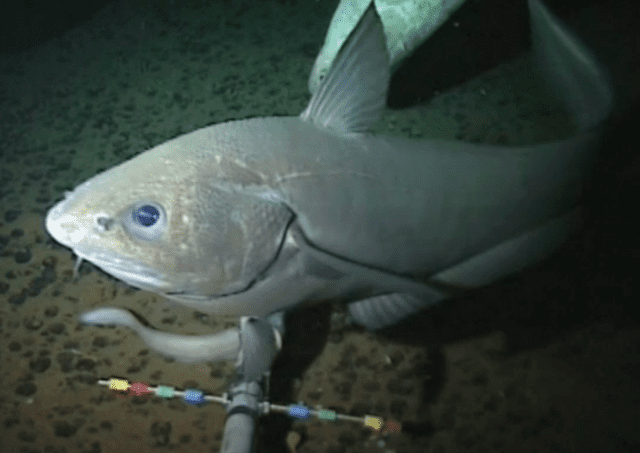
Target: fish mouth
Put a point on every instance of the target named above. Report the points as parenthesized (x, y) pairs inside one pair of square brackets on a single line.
[(129, 271)]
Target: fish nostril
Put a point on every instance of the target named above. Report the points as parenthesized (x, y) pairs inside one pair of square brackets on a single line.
[(104, 222)]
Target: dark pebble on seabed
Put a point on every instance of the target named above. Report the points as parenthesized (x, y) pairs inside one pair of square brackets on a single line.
[(40, 365), (11, 215), (26, 436), (160, 433), (64, 429), (65, 361), (48, 274), (36, 286), (18, 299), (51, 311), (15, 346), (57, 328), (23, 256), (32, 323), (27, 388)]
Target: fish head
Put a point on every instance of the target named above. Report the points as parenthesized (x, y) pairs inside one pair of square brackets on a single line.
[(173, 223)]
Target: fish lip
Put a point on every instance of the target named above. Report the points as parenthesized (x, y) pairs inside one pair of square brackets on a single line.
[(129, 271), (52, 223)]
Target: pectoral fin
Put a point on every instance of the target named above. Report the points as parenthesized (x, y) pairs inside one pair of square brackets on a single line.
[(388, 309)]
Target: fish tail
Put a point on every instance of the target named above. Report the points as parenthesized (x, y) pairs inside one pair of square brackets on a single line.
[(570, 68)]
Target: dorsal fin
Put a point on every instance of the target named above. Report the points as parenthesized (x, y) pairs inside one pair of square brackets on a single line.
[(352, 96)]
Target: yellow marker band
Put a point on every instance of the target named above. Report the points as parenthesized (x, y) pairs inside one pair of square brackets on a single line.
[(119, 384), (373, 422)]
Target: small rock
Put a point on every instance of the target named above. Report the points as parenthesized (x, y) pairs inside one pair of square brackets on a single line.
[(40, 365), (23, 256), (27, 388), (11, 215)]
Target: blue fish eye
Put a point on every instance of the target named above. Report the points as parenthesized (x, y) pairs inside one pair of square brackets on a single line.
[(146, 220), (146, 215)]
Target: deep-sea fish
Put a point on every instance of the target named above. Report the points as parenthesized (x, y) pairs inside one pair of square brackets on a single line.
[(257, 216)]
